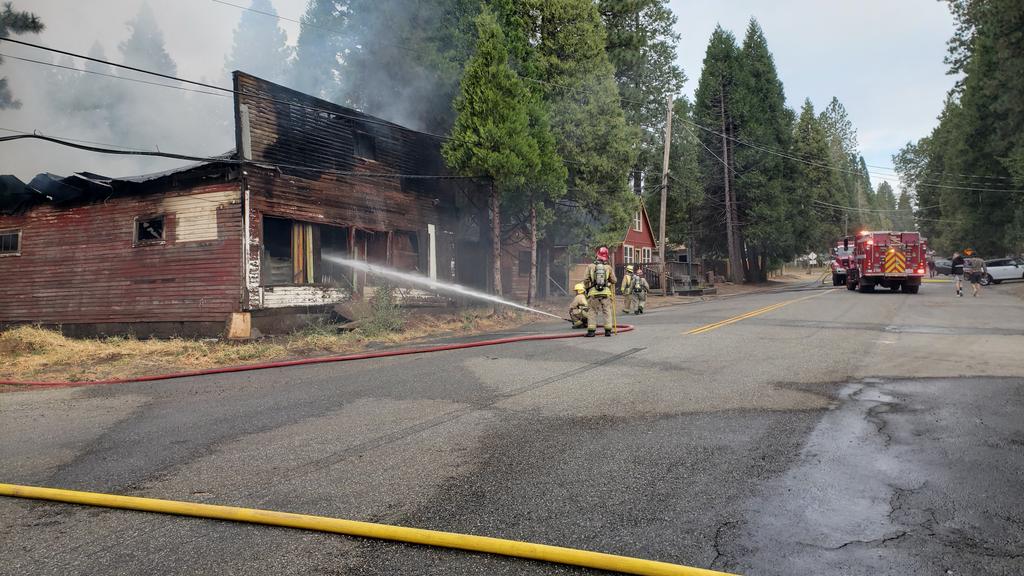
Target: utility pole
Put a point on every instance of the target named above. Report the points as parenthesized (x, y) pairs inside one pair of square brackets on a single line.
[(664, 198)]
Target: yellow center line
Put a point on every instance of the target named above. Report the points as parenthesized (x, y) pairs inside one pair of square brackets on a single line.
[(751, 314)]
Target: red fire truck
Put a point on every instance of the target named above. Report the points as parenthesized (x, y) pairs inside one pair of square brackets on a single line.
[(894, 260), (842, 256)]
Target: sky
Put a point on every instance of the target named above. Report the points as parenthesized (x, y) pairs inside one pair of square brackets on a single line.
[(881, 58)]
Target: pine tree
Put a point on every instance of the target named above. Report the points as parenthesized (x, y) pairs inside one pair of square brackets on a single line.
[(260, 45), (714, 107), (493, 135), (559, 46), (815, 220), (15, 22), (641, 45), (397, 59), (321, 44), (885, 207), (761, 117), (144, 48), (903, 218)]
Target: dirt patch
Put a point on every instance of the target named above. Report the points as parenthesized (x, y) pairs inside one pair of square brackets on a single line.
[(30, 353), (1016, 289)]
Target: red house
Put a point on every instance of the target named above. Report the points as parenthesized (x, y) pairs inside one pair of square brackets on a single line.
[(639, 244)]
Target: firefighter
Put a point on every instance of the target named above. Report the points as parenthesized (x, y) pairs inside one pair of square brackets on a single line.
[(579, 307), (600, 285), (627, 290), (640, 289)]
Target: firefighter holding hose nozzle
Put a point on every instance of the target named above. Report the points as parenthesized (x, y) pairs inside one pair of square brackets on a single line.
[(599, 283), (579, 307)]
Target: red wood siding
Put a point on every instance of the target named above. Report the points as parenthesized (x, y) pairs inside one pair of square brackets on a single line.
[(638, 239), (79, 264)]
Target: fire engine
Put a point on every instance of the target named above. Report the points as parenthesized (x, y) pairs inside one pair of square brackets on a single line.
[(894, 260), (842, 256)]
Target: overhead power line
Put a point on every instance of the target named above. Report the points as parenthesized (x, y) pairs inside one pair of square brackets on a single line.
[(212, 159), (831, 167)]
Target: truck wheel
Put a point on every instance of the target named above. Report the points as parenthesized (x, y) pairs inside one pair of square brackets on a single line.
[(851, 285), (911, 289), (835, 279)]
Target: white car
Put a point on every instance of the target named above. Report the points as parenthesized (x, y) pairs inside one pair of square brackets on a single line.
[(1004, 269)]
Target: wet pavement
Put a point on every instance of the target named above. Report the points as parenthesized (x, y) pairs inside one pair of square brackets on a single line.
[(843, 434)]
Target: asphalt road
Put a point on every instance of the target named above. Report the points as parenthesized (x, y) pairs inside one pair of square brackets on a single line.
[(839, 433)]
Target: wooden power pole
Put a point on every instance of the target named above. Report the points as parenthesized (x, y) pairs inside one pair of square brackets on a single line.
[(664, 198)]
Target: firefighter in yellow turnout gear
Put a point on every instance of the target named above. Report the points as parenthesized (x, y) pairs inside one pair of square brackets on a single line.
[(579, 307), (640, 288), (628, 301), (600, 284)]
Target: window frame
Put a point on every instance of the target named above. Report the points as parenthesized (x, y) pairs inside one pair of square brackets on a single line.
[(18, 233), (628, 255), (638, 221), (149, 242), (646, 255), (367, 140)]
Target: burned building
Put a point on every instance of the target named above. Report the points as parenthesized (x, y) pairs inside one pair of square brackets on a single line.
[(259, 235)]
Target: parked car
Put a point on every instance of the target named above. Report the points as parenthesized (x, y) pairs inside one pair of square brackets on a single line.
[(943, 266), (1002, 269)]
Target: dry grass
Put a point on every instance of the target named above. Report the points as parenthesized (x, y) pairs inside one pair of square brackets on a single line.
[(30, 353)]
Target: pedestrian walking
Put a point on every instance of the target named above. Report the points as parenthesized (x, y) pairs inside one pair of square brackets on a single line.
[(974, 269), (640, 289), (600, 285), (956, 268), (626, 288), (579, 307)]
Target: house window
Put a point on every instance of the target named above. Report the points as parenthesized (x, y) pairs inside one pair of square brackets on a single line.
[(149, 230), (365, 146), (524, 262), (638, 222), (645, 255), (627, 254), (10, 242), (303, 253)]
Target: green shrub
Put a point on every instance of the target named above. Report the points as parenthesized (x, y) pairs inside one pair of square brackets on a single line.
[(386, 315)]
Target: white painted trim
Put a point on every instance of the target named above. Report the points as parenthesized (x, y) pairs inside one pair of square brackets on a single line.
[(432, 259)]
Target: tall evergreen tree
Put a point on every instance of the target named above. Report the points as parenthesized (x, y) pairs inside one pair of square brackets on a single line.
[(903, 218), (714, 103), (405, 69), (497, 128), (144, 47), (641, 45), (559, 46), (761, 117), (886, 207), (260, 45), (15, 22), (813, 215)]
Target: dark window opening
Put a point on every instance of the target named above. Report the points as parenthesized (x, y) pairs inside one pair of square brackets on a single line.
[(10, 242), (405, 251), (277, 252), (365, 146), (149, 230), (334, 244), (524, 262)]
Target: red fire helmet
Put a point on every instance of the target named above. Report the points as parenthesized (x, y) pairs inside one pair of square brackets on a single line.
[(602, 253)]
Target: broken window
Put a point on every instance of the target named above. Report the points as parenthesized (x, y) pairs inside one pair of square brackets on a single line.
[(303, 253), (10, 242), (524, 262), (277, 252), (333, 245), (149, 230), (365, 146), (405, 251)]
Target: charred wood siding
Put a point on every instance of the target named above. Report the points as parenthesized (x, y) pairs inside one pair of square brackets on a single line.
[(81, 265)]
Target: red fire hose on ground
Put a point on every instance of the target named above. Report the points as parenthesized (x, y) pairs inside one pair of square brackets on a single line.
[(305, 361)]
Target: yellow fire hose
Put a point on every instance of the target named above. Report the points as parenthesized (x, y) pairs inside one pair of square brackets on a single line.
[(543, 552)]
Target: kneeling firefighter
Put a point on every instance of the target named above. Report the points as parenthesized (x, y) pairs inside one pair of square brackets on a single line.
[(628, 302), (640, 288), (579, 308), (600, 284)]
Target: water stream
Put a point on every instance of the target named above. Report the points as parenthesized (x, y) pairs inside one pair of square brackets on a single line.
[(430, 284)]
